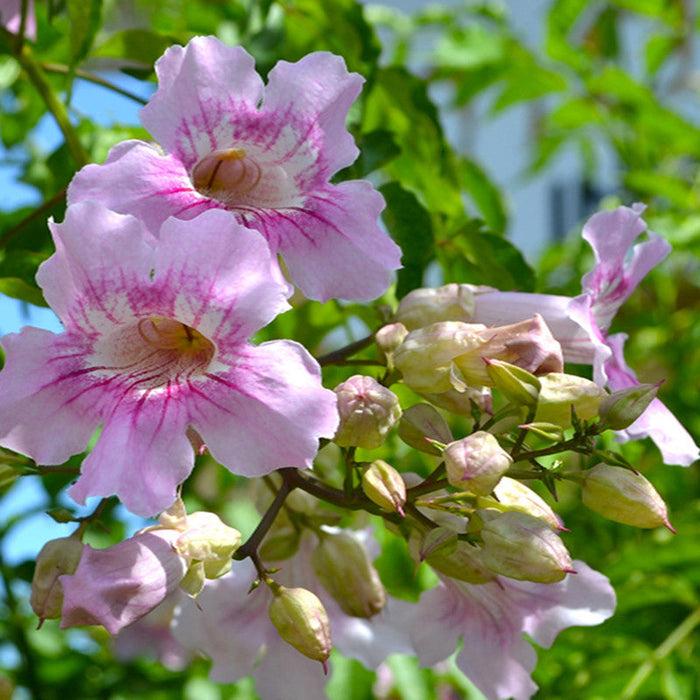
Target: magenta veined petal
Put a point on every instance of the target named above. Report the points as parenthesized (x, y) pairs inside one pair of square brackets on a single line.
[(262, 153), (156, 342)]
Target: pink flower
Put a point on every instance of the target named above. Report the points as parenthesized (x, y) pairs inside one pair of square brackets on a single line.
[(116, 586), (155, 345), (231, 625), (491, 619), (11, 17), (581, 324), (264, 154)]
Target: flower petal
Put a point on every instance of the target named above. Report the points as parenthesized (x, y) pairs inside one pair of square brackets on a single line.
[(267, 411), (333, 245), (116, 586), (207, 95), (657, 422)]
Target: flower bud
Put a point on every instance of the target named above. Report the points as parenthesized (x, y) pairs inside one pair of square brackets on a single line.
[(57, 557), (476, 463), (207, 538), (462, 403), (422, 421), (450, 556), (193, 581), (560, 392), (624, 496), (387, 339), (514, 495), (422, 307), (426, 357), (302, 621), (547, 431), (518, 385), (384, 486), (523, 547), (367, 411), (342, 565), (528, 344), (621, 408)]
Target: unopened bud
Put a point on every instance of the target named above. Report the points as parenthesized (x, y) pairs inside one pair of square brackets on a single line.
[(302, 621), (624, 496), (462, 403), (450, 556), (422, 307), (367, 411), (384, 486), (387, 339), (476, 463), (514, 495), (57, 557), (523, 547), (426, 357), (518, 385), (560, 392), (422, 421), (282, 542), (207, 538), (547, 431), (621, 408), (342, 565), (193, 581)]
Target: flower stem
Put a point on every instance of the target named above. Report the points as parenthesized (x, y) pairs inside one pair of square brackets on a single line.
[(340, 356), (660, 653), (55, 106)]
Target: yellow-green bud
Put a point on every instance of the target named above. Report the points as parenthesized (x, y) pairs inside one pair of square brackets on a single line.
[(368, 411), (207, 538), (462, 403), (384, 486), (621, 408), (523, 547), (624, 496), (514, 495), (282, 542), (302, 621), (175, 517), (56, 558), (560, 392), (517, 384), (342, 565), (193, 581), (387, 339), (421, 307), (422, 421), (476, 463), (547, 431)]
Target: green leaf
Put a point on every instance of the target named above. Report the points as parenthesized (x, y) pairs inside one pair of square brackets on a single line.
[(485, 194), (411, 227), (85, 18), (19, 289), (479, 257), (377, 148), (139, 45), (17, 271)]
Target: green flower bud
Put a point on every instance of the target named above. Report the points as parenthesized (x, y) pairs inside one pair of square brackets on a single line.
[(387, 339), (342, 565), (462, 403), (56, 558), (422, 307), (368, 411), (523, 547), (518, 385), (514, 495), (621, 408), (624, 496), (302, 621), (423, 421), (207, 538), (547, 431), (384, 486), (193, 581), (476, 463), (560, 392)]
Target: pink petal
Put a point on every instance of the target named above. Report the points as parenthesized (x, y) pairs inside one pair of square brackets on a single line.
[(333, 245), (116, 586), (268, 411), (207, 94), (312, 98)]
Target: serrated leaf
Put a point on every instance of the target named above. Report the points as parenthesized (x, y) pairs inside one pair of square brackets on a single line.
[(85, 18), (411, 227)]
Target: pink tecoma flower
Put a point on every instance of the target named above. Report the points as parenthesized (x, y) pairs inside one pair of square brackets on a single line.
[(156, 350), (491, 619), (262, 153), (231, 625), (581, 324)]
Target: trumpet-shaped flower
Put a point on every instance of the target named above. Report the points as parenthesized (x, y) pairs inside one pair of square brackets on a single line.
[(264, 154), (491, 618), (155, 347), (231, 625), (581, 324)]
